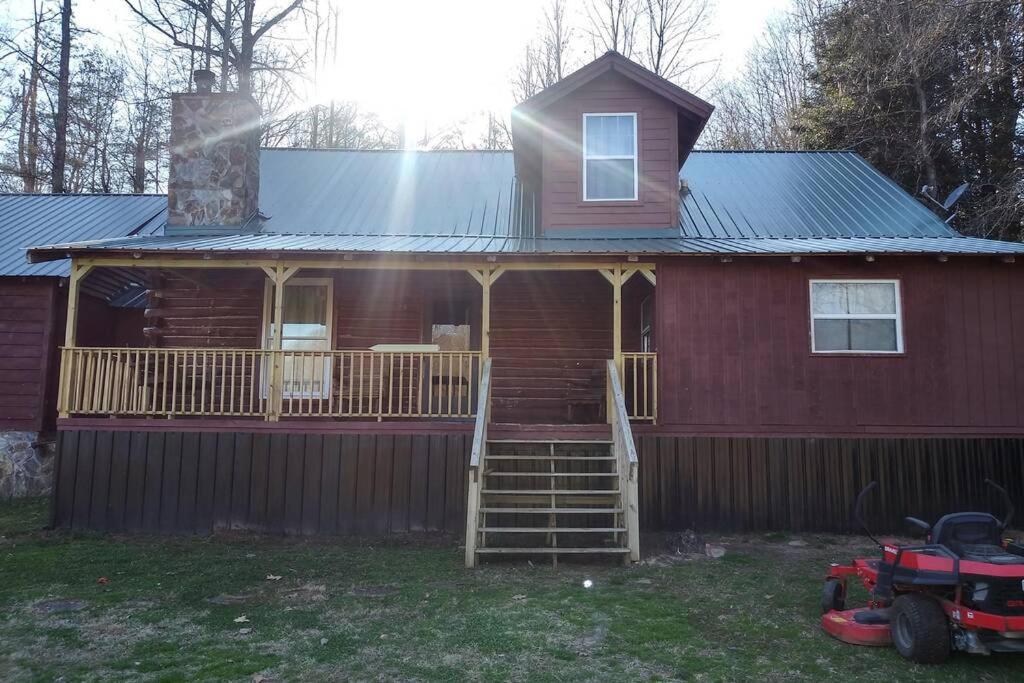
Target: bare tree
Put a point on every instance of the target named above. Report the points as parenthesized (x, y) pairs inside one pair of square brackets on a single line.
[(241, 32), (613, 26), (676, 38), (548, 57), (761, 108), (60, 141), (28, 131)]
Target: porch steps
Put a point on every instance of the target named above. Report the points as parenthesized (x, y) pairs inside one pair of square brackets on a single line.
[(564, 493)]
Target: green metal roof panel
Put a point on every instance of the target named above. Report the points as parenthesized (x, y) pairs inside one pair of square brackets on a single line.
[(373, 193), (30, 219), (797, 194)]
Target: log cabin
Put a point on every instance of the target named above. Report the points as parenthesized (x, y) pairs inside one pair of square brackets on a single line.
[(547, 349)]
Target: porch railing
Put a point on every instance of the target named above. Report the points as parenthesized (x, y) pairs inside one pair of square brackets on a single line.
[(628, 464), (640, 385), (239, 383)]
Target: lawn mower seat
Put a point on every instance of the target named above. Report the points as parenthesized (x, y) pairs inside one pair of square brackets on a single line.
[(973, 536)]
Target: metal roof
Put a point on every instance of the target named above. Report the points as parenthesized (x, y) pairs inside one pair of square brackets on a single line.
[(476, 244), (798, 194), (464, 203), (408, 193), (30, 219)]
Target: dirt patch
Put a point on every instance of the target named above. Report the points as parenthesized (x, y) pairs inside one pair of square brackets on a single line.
[(225, 599), (586, 644), (307, 592), (372, 591), (58, 606)]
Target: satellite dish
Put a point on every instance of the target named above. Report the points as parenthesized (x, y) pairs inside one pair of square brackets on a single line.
[(955, 196)]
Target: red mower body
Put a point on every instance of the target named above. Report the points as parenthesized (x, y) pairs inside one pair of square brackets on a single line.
[(963, 590)]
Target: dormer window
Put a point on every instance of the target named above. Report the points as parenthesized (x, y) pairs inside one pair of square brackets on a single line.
[(610, 157)]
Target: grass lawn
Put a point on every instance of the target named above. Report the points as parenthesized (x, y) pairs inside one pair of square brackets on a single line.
[(173, 608)]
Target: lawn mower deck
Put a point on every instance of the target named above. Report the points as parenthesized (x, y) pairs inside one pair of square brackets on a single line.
[(962, 590)]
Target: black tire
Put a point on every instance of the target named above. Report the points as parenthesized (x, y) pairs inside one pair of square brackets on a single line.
[(920, 630), (833, 596)]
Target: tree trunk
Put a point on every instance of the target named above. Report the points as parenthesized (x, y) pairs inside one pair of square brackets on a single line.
[(60, 140)]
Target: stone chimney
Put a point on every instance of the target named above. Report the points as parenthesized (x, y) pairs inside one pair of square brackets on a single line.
[(215, 160)]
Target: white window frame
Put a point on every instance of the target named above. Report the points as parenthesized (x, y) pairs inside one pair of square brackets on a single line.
[(635, 157), (267, 344), (897, 315)]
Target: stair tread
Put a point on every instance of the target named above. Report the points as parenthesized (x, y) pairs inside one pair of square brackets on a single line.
[(552, 474), (570, 511), (545, 458), (550, 492), (550, 441), (556, 530), (548, 550)]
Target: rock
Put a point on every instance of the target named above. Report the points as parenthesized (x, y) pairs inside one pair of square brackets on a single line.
[(686, 542), (714, 551), (645, 582), (244, 631), (798, 543), (242, 619), (323, 641), (26, 464)]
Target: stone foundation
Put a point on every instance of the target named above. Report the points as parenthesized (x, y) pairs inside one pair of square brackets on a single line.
[(26, 464)]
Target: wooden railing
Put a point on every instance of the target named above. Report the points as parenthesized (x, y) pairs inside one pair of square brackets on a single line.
[(483, 417), (640, 381), (628, 464), (240, 383)]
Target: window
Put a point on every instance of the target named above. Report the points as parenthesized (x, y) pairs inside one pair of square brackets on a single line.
[(609, 157), (856, 316), (306, 312)]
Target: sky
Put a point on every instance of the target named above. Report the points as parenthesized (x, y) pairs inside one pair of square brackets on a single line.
[(430, 62)]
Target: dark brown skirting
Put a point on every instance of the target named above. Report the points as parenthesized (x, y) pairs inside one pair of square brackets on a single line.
[(198, 482), (313, 483), (810, 484)]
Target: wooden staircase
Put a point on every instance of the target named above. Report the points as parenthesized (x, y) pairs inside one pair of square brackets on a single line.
[(552, 497)]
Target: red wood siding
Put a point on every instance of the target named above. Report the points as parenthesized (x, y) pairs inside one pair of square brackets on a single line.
[(27, 314), (734, 350), (551, 333), (562, 205)]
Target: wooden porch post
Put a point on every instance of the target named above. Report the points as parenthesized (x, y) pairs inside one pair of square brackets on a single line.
[(278, 275), (78, 273), (615, 277)]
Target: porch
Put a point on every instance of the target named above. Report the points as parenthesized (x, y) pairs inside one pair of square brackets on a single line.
[(370, 343)]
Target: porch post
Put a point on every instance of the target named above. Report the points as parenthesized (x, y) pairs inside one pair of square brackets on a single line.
[(78, 273), (485, 317), (279, 275)]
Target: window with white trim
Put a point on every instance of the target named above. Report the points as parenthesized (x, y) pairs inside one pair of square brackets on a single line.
[(307, 307), (856, 316), (610, 157)]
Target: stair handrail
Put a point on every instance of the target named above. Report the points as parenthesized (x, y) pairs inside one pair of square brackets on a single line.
[(483, 417), (625, 453)]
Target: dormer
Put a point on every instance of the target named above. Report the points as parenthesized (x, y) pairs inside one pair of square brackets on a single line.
[(601, 150)]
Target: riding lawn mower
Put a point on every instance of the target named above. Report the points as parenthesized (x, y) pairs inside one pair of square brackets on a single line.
[(962, 590)]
